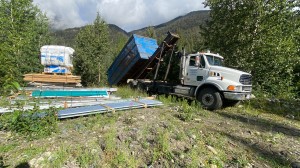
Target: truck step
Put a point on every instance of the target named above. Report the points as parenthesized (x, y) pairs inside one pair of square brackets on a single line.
[(184, 91), (182, 95)]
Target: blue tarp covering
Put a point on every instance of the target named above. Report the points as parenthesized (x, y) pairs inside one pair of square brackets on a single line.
[(137, 50)]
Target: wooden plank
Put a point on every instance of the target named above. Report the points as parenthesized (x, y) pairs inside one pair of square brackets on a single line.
[(52, 78)]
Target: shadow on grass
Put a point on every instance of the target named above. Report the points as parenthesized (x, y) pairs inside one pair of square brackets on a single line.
[(275, 157), (263, 124), (2, 165), (282, 107), (23, 165)]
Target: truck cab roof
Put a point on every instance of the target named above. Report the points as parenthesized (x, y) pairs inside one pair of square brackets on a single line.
[(207, 53), (212, 54)]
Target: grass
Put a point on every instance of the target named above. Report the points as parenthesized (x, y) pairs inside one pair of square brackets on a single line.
[(124, 159), (162, 147), (9, 147), (31, 152), (88, 158), (4, 102), (283, 107), (127, 92), (59, 156), (178, 134)]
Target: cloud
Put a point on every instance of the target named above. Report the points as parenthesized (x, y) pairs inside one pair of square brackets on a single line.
[(127, 14), (62, 13)]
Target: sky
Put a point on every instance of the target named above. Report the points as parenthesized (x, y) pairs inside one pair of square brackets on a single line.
[(127, 14)]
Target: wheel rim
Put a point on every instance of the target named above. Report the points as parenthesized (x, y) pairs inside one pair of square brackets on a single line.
[(208, 99)]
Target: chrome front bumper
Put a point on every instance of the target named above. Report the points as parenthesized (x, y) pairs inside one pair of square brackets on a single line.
[(237, 96)]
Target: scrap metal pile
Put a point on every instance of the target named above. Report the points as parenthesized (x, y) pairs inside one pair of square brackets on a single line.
[(78, 102), (107, 107)]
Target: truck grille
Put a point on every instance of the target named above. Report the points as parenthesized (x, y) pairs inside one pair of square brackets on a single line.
[(246, 79)]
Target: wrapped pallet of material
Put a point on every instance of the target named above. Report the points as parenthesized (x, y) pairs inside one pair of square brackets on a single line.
[(53, 55)]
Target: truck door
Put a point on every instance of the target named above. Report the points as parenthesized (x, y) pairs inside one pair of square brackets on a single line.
[(196, 72)]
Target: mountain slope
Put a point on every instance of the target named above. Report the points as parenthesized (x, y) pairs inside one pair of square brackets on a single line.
[(187, 26), (67, 37), (186, 22)]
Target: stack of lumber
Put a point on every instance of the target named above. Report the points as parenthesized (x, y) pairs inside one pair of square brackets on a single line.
[(52, 78)]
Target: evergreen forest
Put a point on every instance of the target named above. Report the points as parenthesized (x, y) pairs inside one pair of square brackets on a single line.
[(260, 37)]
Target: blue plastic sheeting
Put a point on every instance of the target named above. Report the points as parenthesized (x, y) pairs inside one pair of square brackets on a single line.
[(80, 110), (108, 107), (69, 93), (56, 69), (134, 54), (124, 105)]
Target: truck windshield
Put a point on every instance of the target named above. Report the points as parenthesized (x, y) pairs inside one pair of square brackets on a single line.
[(212, 60)]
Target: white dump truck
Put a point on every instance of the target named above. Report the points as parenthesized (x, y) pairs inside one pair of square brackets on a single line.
[(202, 75)]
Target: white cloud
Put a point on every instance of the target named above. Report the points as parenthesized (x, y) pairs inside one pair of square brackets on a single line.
[(123, 13), (62, 13), (127, 14)]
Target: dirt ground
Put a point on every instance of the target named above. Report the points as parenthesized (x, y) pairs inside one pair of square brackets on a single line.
[(166, 136)]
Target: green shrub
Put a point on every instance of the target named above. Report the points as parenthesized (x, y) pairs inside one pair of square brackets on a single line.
[(31, 123), (187, 111)]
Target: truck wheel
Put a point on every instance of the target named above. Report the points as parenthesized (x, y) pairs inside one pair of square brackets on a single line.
[(131, 85), (140, 86), (210, 99)]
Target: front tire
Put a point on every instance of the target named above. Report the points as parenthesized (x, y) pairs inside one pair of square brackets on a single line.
[(210, 99)]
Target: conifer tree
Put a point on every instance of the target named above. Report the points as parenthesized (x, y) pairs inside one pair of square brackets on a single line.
[(23, 30), (256, 36), (92, 53)]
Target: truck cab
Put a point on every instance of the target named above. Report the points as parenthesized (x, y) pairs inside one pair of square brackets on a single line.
[(213, 84)]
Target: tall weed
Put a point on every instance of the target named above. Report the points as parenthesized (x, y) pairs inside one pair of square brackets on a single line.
[(169, 100), (162, 147), (188, 110), (127, 92)]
